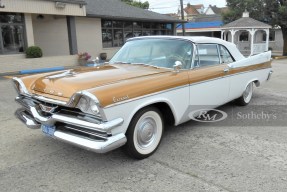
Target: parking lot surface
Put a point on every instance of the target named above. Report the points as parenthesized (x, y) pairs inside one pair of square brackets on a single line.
[(192, 157)]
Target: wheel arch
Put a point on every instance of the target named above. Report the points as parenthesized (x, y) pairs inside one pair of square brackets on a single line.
[(164, 106), (255, 81)]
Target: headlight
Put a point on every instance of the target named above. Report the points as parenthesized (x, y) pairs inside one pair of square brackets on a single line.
[(88, 105)]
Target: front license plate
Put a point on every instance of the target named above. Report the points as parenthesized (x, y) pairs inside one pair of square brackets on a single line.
[(48, 130)]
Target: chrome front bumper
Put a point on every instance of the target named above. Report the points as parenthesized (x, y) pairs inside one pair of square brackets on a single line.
[(92, 136)]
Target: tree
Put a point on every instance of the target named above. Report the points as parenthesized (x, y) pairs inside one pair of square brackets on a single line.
[(272, 12), (144, 5)]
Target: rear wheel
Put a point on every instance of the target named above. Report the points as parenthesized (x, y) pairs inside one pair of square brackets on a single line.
[(246, 96), (144, 133)]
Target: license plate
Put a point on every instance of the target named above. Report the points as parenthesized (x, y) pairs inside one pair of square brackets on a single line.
[(48, 130)]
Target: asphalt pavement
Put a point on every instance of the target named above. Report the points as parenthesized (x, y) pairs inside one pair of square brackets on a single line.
[(192, 157)]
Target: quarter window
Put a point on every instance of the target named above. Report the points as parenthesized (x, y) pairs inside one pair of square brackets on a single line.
[(11, 33), (225, 55), (207, 55)]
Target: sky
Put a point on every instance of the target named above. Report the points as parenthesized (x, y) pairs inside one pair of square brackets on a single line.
[(171, 6)]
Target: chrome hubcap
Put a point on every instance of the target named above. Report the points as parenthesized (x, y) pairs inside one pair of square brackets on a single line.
[(248, 93), (146, 132)]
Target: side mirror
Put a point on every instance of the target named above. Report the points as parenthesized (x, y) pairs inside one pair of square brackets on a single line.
[(177, 66)]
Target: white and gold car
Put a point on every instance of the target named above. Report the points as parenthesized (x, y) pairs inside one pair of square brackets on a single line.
[(149, 82)]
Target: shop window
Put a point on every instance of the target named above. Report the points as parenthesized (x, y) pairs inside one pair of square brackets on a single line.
[(115, 33), (12, 38)]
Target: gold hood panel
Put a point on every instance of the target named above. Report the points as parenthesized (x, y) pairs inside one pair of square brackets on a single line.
[(139, 87), (65, 83)]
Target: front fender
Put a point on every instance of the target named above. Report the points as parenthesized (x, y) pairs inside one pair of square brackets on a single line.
[(177, 100)]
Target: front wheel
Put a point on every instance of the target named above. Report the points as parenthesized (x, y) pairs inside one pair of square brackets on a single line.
[(246, 96), (144, 133)]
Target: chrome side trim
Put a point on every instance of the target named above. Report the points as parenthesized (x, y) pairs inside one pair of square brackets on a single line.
[(110, 144), (144, 96), (183, 86)]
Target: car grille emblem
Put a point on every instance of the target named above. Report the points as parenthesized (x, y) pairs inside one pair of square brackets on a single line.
[(47, 109)]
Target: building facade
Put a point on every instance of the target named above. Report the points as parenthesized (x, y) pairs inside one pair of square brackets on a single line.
[(210, 24), (66, 27)]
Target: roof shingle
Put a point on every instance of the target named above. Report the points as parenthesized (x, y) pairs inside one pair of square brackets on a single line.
[(115, 9), (246, 22)]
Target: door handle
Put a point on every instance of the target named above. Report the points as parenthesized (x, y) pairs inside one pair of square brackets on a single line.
[(226, 70)]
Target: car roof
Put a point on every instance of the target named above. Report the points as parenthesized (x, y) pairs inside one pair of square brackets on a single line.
[(198, 40)]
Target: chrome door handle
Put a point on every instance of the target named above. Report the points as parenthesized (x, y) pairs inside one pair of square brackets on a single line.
[(226, 70)]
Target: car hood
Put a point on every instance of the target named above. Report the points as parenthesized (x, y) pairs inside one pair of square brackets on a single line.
[(66, 83)]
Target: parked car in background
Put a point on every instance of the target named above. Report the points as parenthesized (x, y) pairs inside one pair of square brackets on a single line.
[(151, 81)]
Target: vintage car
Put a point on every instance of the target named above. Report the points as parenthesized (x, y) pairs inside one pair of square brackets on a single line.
[(149, 82)]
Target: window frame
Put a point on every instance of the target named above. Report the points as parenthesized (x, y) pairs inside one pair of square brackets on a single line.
[(23, 25), (151, 30), (198, 56), (243, 33), (264, 34), (220, 45)]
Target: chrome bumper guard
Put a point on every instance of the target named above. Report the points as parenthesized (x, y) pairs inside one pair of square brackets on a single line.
[(269, 75), (91, 136)]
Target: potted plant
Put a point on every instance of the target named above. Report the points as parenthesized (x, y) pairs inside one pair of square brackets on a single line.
[(103, 56), (83, 58)]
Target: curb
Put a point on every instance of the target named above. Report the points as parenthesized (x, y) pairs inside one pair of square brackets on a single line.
[(43, 70), (280, 57), (34, 71)]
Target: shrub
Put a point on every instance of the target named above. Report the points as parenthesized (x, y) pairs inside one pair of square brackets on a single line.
[(34, 52)]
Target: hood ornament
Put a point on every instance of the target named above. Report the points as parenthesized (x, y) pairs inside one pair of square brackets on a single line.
[(64, 74)]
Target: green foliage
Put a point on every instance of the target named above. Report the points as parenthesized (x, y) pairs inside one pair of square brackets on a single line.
[(144, 5), (272, 12), (34, 52), (237, 7)]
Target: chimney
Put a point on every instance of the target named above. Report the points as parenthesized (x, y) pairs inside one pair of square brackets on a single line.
[(245, 13)]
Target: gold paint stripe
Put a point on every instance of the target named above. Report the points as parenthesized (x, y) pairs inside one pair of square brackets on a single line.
[(196, 76)]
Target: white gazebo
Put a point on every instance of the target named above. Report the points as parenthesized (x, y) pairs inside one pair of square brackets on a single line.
[(250, 36)]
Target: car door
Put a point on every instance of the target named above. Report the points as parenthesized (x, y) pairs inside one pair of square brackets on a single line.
[(209, 83)]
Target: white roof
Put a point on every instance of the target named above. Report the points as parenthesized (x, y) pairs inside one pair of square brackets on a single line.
[(201, 39)]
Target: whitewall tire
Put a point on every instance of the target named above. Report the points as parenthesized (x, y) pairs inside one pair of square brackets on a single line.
[(246, 96), (144, 133)]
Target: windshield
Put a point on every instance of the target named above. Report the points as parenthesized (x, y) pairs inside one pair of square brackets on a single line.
[(155, 52)]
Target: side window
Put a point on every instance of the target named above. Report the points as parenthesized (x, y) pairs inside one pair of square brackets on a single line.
[(208, 55), (225, 55)]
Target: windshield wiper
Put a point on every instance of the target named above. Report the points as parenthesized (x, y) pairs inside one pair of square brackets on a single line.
[(121, 62)]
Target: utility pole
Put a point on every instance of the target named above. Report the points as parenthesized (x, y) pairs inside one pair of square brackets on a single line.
[(182, 17)]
